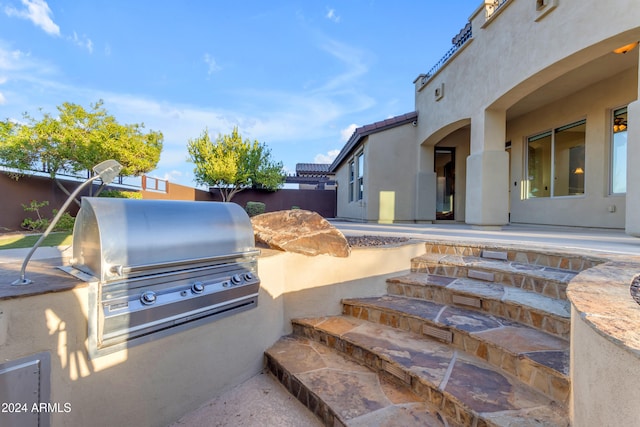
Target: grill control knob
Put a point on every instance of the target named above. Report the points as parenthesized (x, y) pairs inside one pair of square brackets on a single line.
[(197, 288), (248, 276), (236, 279), (148, 298)]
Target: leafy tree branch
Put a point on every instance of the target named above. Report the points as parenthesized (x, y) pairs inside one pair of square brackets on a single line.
[(232, 164)]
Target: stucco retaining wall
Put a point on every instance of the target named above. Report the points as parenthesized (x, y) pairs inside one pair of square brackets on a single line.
[(155, 383), (605, 346)]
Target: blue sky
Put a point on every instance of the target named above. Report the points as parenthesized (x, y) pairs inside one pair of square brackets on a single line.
[(296, 75)]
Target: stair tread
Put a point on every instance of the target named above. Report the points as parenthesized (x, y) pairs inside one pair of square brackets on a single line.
[(522, 340), (494, 291), (495, 395), (354, 392), (473, 262)]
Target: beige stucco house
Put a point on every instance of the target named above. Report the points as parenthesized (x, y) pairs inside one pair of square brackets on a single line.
[(531, 117)]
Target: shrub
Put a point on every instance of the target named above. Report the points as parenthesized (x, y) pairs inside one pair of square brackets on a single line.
[(121, 194), (65, 223), (255, 208), (39, 224)]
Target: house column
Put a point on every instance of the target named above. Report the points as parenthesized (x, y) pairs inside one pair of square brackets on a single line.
[(632, 216), (426, 185), (487, 200)]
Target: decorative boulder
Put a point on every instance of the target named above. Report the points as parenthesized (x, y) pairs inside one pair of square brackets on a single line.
[(300, 231)]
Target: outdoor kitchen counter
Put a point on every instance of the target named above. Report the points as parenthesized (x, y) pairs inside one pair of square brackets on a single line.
[(46, 277)]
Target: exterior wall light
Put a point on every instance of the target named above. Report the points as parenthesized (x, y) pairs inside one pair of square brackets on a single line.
[(626, 48)]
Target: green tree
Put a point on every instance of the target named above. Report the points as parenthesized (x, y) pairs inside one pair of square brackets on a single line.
[(232, 164), (77, 139)]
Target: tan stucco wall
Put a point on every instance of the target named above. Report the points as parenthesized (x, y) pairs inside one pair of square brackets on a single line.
[(390, 176), (515, 54), (155, 383), (391, 184), (591, 210), (147, 385), (316, 285), (604, 379)]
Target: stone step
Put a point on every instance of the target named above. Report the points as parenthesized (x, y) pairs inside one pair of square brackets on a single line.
[(529, 308), (538, 359), (342, 392), (548, 281), (462, 389), (542, 257)]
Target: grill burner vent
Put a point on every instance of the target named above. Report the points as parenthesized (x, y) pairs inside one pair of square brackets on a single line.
[(157, 267)]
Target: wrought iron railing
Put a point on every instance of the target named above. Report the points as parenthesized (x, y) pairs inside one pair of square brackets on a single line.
[(458, 41)]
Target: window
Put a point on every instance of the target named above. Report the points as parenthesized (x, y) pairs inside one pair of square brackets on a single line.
[(360, 176), (356, 178), (619, 152), (352, 174), (556, 162)]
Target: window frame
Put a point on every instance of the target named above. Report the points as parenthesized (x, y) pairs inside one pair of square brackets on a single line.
[(360, 175), (352, 175), (552, 159), (612, 156), (356, 176)]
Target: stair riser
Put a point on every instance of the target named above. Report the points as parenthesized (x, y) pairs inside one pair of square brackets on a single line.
[(448, 406), (300, 392), (545, 287), (566, 262), (543, 379), (546, 322)]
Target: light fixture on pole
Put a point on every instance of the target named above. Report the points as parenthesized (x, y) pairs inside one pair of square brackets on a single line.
[(107, 171)]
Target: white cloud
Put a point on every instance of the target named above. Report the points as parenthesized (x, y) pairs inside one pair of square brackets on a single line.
[(38, 12), (11, 59), (211, 63), (347, 132), (3, 100), (326, 158), (84, 41), (354, 60), (332, 16)]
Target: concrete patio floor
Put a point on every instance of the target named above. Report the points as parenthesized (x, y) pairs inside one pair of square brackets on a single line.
[(593, 239), (261, 401)]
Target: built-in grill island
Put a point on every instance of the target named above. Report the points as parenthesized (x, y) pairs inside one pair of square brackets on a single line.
[(157, 267)]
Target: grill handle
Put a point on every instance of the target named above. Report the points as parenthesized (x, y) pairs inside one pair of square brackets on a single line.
[(121, 270)]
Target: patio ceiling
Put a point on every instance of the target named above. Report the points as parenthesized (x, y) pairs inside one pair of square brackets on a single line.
[(592, 72)]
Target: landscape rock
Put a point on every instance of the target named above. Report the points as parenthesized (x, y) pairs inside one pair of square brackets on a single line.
[(299, 231)]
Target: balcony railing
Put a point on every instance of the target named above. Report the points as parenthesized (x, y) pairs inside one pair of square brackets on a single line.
[(458, 41)]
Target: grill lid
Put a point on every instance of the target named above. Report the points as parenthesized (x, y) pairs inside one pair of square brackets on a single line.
[(118, 238)]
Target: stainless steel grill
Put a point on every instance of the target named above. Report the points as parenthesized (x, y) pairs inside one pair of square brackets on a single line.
[(157, 267)]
